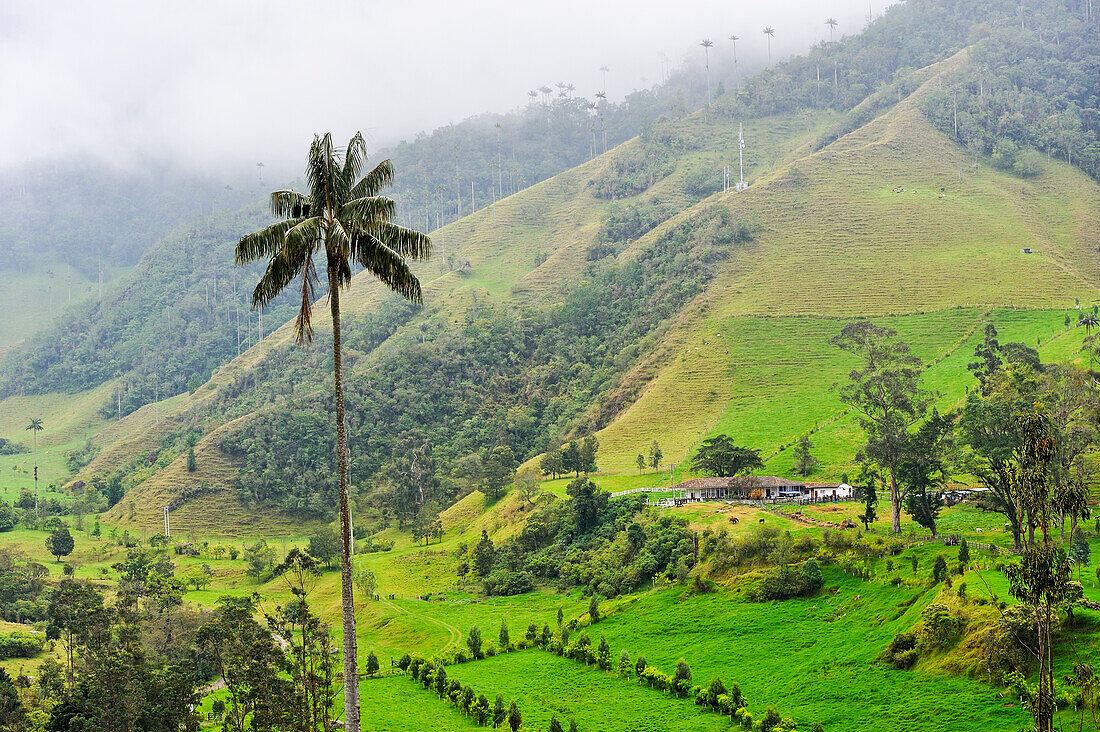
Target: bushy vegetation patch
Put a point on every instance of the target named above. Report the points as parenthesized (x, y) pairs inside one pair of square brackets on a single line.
[(19, 645)]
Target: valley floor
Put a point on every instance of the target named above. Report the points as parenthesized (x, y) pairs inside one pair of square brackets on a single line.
[(815, 660)]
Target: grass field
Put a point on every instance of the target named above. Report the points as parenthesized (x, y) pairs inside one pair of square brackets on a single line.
[(51, 286), (833, 242), (812, 659), (767, 381), (543, 684)]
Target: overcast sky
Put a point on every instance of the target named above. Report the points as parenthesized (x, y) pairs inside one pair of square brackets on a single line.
[(221, 85)]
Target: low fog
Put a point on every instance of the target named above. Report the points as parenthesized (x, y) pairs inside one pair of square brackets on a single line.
[(218, 87)]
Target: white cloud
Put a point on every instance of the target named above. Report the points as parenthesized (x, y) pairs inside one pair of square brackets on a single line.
[(221, 85)]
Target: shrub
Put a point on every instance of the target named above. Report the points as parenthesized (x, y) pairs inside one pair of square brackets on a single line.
[(19, 645), (625, 666), (902, 651), (473, 642), (771, 720), (784, 582), (505, 582), (940, 626), (715, 690), (811, 577), (681, 682), (939, 569)]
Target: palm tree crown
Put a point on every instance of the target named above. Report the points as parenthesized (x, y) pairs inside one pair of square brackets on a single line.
[(769, 32), (1089, 321), (343, 215), (831, 22)]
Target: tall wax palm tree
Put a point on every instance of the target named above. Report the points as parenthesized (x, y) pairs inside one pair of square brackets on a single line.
[(343, 218), (831, 22), (35, 427), (604, 70), (1089, 321), (707, 44), (769, 32), (600, 106), (736, 73)]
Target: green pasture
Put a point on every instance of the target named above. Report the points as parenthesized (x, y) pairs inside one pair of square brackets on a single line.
[(543, 684), (768, 381)]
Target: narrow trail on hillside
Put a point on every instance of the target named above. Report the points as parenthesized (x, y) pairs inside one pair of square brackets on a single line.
[(455, 633)]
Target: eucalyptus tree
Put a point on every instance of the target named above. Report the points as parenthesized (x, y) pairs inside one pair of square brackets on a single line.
[(886, 394), (831, 22), (35, 427), (344, 218), (770, 33)]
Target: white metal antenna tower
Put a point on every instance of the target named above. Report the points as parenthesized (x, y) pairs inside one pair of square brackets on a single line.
[(741, 154)]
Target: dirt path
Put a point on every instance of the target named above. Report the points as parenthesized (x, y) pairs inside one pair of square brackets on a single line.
[(455, 633), (216, 685)]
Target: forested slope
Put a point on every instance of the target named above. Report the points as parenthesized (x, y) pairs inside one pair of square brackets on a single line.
[(630, 295)]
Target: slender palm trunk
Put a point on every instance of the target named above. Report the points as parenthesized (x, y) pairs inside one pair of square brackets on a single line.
[(347, 600), (35, 473)]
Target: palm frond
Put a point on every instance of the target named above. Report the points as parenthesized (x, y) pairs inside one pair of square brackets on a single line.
[(387, 265), (343, 273), (338, 242), (263, 243), (378, 178), (408, 243), (287, 264), (355, 159), (303, 324), (289, 204), (292, 258), (320, 170), (361, 214)]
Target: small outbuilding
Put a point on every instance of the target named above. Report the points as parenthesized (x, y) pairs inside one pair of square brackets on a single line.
[(828, 491)]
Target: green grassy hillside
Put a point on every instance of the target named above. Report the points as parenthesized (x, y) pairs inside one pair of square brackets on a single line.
[(42, 292), (892, 220), (750, 356), (524, 251)]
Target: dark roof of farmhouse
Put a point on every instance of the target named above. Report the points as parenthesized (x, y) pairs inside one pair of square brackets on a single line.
[(739, 482)]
